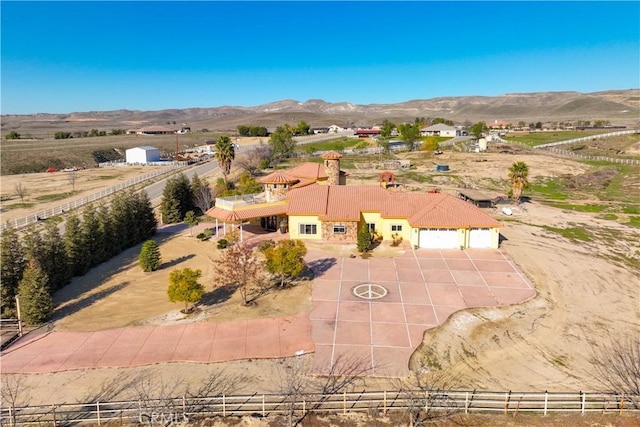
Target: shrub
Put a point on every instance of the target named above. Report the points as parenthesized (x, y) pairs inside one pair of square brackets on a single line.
[(205, 235), (266, 244), (364, 239), (397, 239), (222, 244)]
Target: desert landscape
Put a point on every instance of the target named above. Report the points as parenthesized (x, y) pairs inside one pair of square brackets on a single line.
[(587, 292)]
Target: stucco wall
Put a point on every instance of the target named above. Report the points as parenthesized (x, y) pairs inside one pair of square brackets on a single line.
[(294, 229)]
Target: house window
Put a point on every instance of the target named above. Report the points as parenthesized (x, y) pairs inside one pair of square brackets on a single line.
[(396, 227), (307, 229), (339, 229), (371, 226)]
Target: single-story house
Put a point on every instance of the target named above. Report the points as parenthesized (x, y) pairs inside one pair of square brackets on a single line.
[(312, 202), (142, 155), (440, 129), (367, 133)]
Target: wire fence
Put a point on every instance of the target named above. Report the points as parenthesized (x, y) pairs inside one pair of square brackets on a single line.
[(74, 204), (181, 409)]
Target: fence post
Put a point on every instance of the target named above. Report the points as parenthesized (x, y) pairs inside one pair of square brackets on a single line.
[(11, 420), (466, 403), (621, 404), (344, 402), (263, 409), (184, 406), (304, 406), (98, 411), (53, 410), (384, 400), (582, 403), (546, 402), (224, 409), (506, 402)]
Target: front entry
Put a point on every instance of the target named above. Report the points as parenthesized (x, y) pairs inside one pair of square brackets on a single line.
[(269, 223)]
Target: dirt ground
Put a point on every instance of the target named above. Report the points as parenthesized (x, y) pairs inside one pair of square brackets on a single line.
[(584, 297)]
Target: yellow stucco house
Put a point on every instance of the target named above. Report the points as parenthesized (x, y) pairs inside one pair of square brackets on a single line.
[(313, 203)]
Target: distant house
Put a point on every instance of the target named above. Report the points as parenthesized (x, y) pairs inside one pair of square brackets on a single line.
[(153, 130), (440, 129), (320, 130), (142, 155), (367, 133), (336, 129)]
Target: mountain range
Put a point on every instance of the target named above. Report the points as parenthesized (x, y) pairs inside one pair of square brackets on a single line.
[(620, 107)]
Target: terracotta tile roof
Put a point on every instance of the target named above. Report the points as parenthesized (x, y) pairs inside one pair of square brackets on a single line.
[(278, 177), (332, 155), (346, 203), (308, 170), (248, 212)]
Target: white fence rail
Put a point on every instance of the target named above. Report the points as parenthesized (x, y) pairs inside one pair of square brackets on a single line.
[(588, 138), (168, 411), (619, 160), (73, 204)]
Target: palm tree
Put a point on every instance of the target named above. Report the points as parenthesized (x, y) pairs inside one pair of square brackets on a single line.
[(225, 153), (518, 174)]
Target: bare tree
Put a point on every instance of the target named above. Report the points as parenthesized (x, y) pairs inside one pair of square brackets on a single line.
[(297, 381), (616, 366), (239, 265), (176, 400), (72, 177), (21, 190), (252, 160), (14, 393), (202, 193)]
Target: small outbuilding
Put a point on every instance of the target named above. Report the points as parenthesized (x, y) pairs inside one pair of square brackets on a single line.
[(476, 198), (142, 155)]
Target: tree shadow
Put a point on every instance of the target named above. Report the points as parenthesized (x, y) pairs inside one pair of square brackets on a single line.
[(502, 238), (87, 301), (102, 272), (217, 296), (318, 267), (176, 261)]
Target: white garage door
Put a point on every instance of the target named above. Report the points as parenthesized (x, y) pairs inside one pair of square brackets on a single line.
[(439, 238), (480, 238)]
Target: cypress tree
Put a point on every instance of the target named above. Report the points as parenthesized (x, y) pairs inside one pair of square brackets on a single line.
[(12, 265), (36, 302), (75, 246)]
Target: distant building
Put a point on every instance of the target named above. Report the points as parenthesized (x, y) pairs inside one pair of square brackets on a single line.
[(142, 155), (440, 129)]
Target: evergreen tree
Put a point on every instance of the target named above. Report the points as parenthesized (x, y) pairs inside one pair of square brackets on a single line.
[(93, 239), (12, 265), (105, 224), (177, 199), (47, 250), (36, 302), (150, 256), (363, 242), (146, 223), (119, 220), (75, 246), (58, 270)]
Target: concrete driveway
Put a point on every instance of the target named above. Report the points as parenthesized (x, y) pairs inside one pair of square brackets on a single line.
[(423, 288)]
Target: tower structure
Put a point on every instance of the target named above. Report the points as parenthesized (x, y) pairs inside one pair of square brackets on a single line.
[(332, 167)]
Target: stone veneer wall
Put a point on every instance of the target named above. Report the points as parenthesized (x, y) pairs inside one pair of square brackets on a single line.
[(351, 236), (275, 192), (332, 169)]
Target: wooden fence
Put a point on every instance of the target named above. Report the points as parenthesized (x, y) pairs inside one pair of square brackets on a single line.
[(175, 410), (74, 204)]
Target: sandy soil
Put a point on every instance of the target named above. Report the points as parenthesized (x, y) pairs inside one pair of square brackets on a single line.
[(584, 297)]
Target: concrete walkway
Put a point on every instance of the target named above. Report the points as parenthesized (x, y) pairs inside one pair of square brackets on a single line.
[(204, 342)]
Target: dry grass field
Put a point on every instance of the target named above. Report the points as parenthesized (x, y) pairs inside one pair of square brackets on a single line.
[(584, 262)]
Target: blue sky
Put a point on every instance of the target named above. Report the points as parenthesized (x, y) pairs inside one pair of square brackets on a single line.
[(61, 57)]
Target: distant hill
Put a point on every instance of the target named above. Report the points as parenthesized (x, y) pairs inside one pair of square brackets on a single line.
[(620, 107)]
